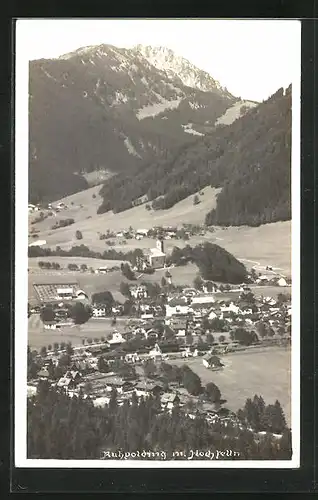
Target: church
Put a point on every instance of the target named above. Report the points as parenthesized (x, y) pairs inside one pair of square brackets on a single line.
[(156, 257)]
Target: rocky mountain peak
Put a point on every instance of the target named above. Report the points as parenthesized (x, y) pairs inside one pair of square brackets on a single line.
[(176, 66)]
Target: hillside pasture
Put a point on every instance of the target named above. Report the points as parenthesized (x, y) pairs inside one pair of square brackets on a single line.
[(137, 217), (269, 244)]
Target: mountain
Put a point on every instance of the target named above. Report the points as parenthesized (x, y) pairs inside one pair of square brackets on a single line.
[(249, 159), (109, 109)]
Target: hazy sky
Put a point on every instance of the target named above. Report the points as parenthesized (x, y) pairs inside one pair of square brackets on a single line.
[(252, 58)]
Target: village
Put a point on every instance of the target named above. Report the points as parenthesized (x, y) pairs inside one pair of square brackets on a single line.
[(168, 330)]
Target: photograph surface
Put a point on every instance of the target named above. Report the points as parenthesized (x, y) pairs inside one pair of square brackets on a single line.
[(157, 243)]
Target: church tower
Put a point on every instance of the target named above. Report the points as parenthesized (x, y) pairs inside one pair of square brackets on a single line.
[(160, 245)]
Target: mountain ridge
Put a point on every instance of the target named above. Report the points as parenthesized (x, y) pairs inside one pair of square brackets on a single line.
[(104, 107)]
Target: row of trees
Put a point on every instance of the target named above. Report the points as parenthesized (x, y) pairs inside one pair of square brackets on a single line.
[(80, 313), (83, 251)]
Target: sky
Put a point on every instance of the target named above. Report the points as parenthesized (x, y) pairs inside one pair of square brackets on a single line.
[(252, 58)]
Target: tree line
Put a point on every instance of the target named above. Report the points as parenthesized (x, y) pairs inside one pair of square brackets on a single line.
[(60, 427)]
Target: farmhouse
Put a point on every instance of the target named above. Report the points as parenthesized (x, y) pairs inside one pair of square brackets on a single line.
[(168, 400), (138, 291), (212, 362), (155, 353), (116, 339), (177, 307), (99, 311), (203, 298)]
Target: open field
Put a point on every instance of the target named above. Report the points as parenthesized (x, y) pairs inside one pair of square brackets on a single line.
[(92, 283), (264, 372), (94, 328), (269, 244)]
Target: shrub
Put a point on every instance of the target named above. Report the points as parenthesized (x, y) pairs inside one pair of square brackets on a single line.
[(78, 235)]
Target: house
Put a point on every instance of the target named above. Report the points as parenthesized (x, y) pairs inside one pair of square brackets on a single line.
[(116, 339), (74, 375), (148, 388), (201, 309), (179, 323), (189, 292), (119, 384), (50, 325), (66, 383), (209, 287), (66, 293), (212, 362), (102, 270), (177, 307), (203, 298), (151, 334), (230, 307), (132, 358), (142, 232), (155, 353), (43, 373), (282, 282), (31, 390), (99, 311), (138, 292), (101, 402), (81, 295), (169, 400)]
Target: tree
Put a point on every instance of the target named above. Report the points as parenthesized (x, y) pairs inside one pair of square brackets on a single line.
[(163, 281), (47, 313), (261, 329), (105, 298), (80, 313), (274, 419), (149, 368), (83, 267), (65, 361), (191, 381), (209, 338), (196, 200), (78, 235), (217, 325), (129, 308), (221, 338), (43, 351), (283, 298), (102, 366), (127, 272), (212, 392), (69, 349), (198, 282), (244, 337), (189, 339), (56, 346), (49, 347), (124, 289)]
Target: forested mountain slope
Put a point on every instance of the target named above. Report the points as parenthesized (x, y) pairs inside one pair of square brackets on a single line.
[(250, 159), (113, 109)]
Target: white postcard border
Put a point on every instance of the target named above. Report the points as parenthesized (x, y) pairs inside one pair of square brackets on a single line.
[(21, 288)]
